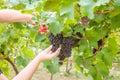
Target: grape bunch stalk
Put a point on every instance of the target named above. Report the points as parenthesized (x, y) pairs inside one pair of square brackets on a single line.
[(66, 43)]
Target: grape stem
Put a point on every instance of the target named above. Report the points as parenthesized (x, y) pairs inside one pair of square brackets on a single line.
[(105, 12), (68, 67), (77, 37), (51, 77)]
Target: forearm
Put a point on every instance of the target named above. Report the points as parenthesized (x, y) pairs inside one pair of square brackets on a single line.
[(14, 16), (2, 77), (29, 70)]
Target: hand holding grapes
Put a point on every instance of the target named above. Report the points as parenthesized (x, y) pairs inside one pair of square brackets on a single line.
[(47, 54)]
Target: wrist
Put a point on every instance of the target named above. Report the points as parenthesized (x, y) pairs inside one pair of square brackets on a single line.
[(39, 57)]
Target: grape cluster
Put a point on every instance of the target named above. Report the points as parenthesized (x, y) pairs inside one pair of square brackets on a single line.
[(66, 44), (55, 41), (66, 48)]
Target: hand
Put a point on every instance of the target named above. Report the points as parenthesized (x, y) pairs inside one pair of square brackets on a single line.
[(47, 54)]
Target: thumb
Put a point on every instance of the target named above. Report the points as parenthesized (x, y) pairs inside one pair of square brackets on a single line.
[(56, 53)]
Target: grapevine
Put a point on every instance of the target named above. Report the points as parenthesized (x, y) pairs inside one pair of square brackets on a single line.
[(86, 30)]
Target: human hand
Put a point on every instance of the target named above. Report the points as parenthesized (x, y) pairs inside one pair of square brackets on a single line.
[(47, 54)]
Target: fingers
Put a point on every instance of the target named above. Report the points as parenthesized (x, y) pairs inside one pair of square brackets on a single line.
[(48, 49), (56, 53), (50, 52)]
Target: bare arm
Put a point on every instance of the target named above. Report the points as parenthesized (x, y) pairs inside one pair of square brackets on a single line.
[(29, 70), (14, 16), (2, 77)]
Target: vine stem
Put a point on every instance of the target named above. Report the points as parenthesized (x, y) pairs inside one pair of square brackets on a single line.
[(13, 65), (105, 12), (68, 68), (51, 77), (77, 37)]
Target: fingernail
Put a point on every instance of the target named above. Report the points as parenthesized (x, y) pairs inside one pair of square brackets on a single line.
[(59, 48)]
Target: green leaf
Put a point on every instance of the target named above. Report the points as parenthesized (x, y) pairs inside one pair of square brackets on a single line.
[(108, 58), (88, 52), (40, 37), (98, 76), (115, 22), (92, 71), (39, 7), (83, 44), (19, 6), (102, 68), (101, 2), (92, 36), (18, 25), (67, 9), (52, 5), (56, 61), (51, 20), (87, 7), (99, 55), (53, 67), (79, 29), (21, 61), (33, 34), (78, 60), (4, 37), (87, 63), (46, 63), (112, 45), (68, 31), (117, 2), (99, 18), (56, 27), (116, 12)]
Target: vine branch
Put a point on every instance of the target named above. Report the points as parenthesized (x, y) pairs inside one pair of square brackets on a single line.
[(13, 65), (51, 77), (105, 12)]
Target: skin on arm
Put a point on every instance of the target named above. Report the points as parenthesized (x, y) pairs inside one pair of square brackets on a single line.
[(2, 77), (14, 16), (29, 70)]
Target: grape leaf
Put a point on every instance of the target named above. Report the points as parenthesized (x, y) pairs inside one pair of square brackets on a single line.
[(115, 22), (102, 68), (19, 6), (50, 3), (87, 7), (67, 9), (56, 27)]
